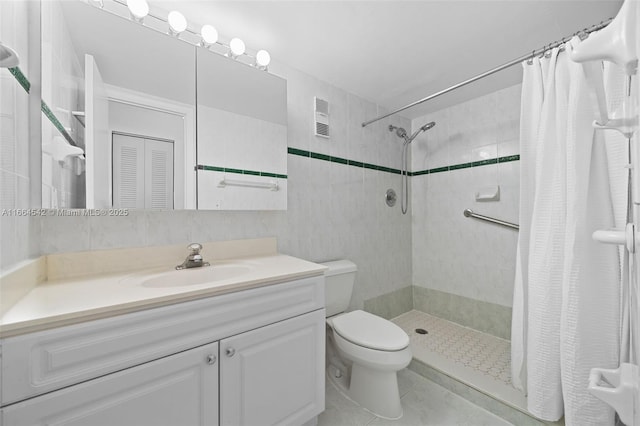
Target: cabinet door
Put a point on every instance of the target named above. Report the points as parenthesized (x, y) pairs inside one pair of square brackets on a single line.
[(181, 389), (274, 375)]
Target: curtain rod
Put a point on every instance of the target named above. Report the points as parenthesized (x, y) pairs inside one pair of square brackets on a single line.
[(506, 65)]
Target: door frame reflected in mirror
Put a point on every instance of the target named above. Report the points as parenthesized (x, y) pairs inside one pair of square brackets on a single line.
[(184, 111)]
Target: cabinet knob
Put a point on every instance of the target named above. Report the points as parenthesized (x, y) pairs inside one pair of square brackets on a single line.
[(211, 359), (230, 352)]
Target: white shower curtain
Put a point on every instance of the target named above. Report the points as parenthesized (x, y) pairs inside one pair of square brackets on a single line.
[(566, 312)]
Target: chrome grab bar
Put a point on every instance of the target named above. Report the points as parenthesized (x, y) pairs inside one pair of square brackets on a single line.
[(470, 213)]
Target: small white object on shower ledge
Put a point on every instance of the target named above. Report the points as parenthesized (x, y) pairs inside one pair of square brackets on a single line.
[(488, 193), (59, 149)]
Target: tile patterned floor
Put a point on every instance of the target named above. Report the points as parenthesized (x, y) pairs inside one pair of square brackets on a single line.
[(484, 353), (477, 359), (424, 403)]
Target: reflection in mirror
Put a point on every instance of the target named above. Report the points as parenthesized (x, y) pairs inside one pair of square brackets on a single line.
[(119, 129), (242, 136)]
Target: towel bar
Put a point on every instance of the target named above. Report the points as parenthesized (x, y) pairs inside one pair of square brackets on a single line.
[(273, 186)]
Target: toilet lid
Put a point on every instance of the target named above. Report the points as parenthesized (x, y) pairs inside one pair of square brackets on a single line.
[(370, 331)]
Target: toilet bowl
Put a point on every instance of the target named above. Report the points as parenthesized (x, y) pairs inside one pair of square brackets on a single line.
[(372, 361), (364, 351)]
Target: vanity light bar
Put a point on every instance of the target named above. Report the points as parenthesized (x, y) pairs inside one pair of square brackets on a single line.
[(207, 38)]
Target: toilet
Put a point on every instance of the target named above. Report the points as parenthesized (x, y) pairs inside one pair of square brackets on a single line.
[(364, 351)]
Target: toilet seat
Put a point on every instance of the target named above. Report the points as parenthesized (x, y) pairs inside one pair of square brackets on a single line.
[(370, 331)]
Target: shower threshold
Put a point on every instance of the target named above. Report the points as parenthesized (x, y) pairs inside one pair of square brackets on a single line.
[(473, 364)]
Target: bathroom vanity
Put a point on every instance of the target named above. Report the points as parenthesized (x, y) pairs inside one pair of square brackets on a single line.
[(244, 349)]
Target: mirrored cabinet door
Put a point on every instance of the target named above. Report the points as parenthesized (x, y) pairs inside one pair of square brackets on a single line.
[(105, 75), (242, 136)]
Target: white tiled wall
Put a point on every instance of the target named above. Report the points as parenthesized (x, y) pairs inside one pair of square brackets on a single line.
[(453, 253), (62, 90), (17, 233), (334, 210), (212, 195), (226, 139)]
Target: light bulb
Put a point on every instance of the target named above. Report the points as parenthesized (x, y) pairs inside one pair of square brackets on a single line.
[(237, 46), (138, 8), (263, 58), (177, 22), (209, 35)]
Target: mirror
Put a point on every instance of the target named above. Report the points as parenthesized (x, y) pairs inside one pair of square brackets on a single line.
[(119, 117), (242, 134), (125, 95)]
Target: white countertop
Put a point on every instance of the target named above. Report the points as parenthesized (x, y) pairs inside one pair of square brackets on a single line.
[(73, 300)]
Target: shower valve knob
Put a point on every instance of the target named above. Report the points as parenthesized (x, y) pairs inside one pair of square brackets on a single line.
[(390, 197)]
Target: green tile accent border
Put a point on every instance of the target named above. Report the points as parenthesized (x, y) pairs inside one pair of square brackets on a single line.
[(325, 157), (319, 156), (390, 305), (26, 85), (300, 152), (21, 78), (56, 123), (486, 162), (487, 317), (509, 158), (240, 171), (436, 170)]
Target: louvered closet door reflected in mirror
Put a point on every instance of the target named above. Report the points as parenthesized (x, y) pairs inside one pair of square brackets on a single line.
[(142, 172)]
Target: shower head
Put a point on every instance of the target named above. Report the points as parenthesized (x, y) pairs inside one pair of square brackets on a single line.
[(427, 126), (400, 132), (424, 128)]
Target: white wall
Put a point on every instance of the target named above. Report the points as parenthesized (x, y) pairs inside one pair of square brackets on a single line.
[(17, 233), (452, 253), (63, 92), (334, 210), (237, 141)]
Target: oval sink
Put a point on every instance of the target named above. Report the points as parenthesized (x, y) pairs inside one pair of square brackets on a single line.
[(195, 276)]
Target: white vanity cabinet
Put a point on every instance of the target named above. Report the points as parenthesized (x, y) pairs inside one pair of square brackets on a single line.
[(270, 375), (253, 357), (181, 389)]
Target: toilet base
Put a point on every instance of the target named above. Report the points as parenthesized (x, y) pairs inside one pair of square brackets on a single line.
[(373, 390), (376, 390)]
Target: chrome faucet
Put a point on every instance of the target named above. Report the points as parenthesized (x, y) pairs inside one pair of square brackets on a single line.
[(194, 260)]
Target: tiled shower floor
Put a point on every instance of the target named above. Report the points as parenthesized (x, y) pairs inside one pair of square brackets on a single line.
[(477, 359)]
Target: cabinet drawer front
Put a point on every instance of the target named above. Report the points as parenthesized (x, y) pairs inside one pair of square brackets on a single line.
[(41, 362), (181, 389)]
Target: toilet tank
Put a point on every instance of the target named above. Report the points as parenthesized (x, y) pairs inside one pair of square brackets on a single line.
[(339, 279)]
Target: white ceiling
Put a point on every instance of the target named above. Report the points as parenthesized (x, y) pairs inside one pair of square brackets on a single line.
[(396, 52)]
